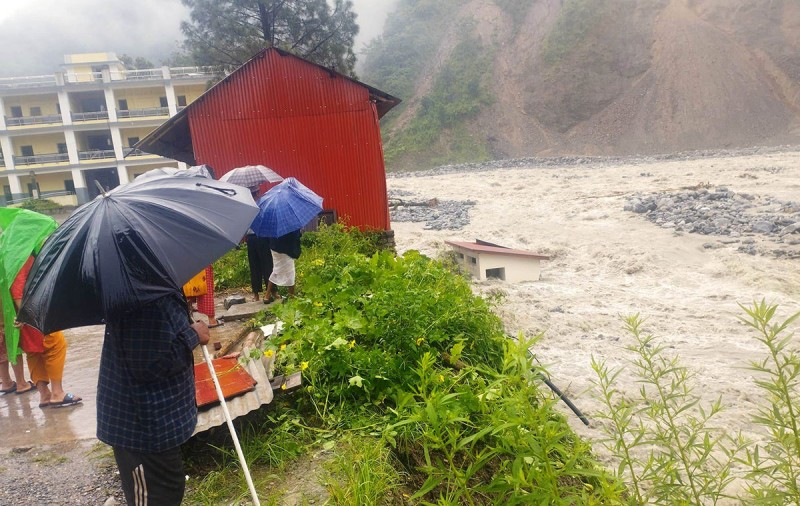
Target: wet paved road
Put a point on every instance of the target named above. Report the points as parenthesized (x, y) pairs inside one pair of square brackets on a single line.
[(25, 424)]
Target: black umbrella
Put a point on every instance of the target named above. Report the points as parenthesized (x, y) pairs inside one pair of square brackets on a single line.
[(131, 246)]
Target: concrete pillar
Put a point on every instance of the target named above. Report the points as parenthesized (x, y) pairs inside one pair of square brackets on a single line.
[(72, 147), (111, 105), (16, 187), (122, 173), (2, 114), (116, 141), (8, 152), (81, 192), (171, 101), (63, 103)]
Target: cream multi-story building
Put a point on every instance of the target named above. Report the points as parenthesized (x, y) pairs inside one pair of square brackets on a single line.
[(62, 135)]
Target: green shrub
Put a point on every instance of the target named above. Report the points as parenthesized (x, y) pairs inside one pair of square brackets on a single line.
[(41, 205), (774, 476), (668, 450)]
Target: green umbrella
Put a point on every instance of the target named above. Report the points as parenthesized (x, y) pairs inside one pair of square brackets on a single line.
[(22, 233)]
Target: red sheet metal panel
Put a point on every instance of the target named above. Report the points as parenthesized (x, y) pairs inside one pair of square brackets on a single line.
[(233, 380), (301, 121)]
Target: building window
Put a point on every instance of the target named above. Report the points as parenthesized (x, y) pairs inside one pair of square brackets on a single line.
[(123, 104), (132, 141), (182, 100), (36, 111), (163, 101), (7, 192), (473, 260), (69, 185), (498, 273), (16, 111), (62, 147), (58, 108), (26, 150)]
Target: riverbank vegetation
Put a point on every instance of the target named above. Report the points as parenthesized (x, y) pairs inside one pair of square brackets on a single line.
[(413, 394)]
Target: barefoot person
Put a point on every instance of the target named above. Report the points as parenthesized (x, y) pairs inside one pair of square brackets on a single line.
[(285, 250), (8, 385)]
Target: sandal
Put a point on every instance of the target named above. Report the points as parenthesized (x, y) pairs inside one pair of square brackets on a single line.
[(12, 388), (32, 387), (68, 400)]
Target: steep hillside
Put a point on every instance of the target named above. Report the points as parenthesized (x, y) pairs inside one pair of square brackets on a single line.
[(504, 78)]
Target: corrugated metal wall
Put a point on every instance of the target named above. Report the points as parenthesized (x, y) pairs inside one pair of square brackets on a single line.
[(297, 119)]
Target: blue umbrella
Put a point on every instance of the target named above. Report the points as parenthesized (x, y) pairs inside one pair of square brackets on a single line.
[(285, 208)]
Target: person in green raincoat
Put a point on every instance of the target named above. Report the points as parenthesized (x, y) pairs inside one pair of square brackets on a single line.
[(22, 233)]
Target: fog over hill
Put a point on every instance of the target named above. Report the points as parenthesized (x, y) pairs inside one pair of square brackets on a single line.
[(593, 77)]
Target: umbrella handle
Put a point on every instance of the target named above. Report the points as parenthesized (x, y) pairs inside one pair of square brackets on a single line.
[(226, 191), (230, 427)]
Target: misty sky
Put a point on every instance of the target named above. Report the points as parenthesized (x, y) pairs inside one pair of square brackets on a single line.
[(36, 34)]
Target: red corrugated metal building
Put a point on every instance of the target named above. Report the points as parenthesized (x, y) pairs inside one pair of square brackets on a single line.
[(296, 117)]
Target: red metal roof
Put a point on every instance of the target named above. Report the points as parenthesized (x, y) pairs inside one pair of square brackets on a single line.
[(298, 118), (483, 248)]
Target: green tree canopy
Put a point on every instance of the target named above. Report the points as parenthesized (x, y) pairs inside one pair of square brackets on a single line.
[(227, 33)]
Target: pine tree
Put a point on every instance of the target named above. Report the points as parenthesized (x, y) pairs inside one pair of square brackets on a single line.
[(227, 33)]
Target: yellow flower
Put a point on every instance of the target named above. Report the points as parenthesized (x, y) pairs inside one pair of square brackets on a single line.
[(283, 386), (420, 340), (303, 366), (319, 261), (269, 353), (351, 344), (317, 304), (441, 378), (283, 347)]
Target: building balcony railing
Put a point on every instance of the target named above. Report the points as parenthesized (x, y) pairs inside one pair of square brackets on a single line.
[(141, 113), (89, 116), (83, 77), (33, 120), (96, 154), (138, 74), (133, 152), (27, 82), (191, 72), (41, 159)]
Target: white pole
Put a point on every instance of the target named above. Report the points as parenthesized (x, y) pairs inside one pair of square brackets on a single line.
[(230, 427)]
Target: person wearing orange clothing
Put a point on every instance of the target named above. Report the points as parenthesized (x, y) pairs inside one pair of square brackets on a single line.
[(46, 354)]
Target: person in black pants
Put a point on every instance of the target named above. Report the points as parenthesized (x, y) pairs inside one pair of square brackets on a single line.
[(259, 258)]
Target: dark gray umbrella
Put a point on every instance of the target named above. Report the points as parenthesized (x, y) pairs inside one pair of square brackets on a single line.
[(131, 246)]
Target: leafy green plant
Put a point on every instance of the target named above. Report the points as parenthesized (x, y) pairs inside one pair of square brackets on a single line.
[(775, 465), (232, 270), (479, 435), (667, 449), (361, 324)]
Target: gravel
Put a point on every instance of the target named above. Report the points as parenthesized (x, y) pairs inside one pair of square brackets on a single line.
[(70, 473), (719, 212)]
